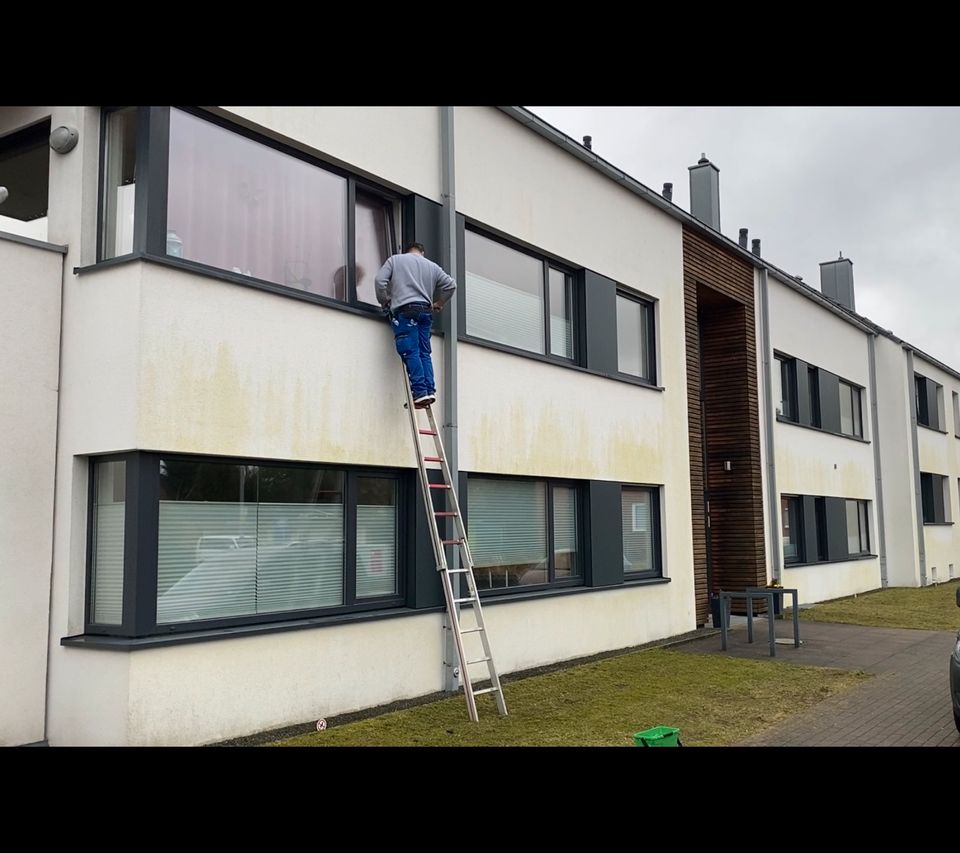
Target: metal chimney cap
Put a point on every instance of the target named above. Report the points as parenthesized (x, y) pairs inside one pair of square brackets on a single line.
[(588, 142)]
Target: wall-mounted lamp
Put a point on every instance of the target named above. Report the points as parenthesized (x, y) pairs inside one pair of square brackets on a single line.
[(727, 465), (64, 139), (4, 194)]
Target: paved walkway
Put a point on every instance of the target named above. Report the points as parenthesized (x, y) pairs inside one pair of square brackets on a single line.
[(907, 703)]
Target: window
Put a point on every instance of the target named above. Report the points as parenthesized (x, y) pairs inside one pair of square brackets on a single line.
[(25, 172), (791, 520), (524, 532), (851, 419), (956, 414), (787, 375), (107, 529), (119, 182), (929, 402), (935, 498), (635, 337), (519, 300), (858, 534), (235, 543), (245, 206), (818, 529), (641, 531)]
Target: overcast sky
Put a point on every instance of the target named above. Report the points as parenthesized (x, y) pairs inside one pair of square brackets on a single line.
[(880, 184)]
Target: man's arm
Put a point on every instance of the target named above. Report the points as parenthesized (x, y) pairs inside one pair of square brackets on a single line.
[(443, 288), (382, 283)]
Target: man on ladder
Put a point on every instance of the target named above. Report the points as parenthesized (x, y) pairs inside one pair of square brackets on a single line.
[(411, 288)]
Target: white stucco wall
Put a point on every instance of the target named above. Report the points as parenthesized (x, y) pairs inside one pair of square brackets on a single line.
[(204, 692), (940, 454), (30, 285), (812, 462)]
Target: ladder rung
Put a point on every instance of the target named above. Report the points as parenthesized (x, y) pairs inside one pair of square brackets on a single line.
[(470, 630), (479, 660), (427, 431), (432, 459), (439, 485), (452, 541), (461, 600), (457, 571), (486, 690), (445, 513)]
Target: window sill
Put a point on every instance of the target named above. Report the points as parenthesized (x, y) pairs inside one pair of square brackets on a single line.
[(30, 241), (851, 559), (243, 280), (938, 524), (781, 419), (569, 590), (543, 359), (933, 429), (126, 644)]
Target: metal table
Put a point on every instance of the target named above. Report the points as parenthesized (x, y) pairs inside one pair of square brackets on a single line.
[(769, 594)]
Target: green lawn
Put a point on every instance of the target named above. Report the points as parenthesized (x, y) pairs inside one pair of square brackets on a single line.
[(712, 699), (933, 608)]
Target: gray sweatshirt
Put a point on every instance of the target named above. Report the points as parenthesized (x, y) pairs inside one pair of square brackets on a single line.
[(412, 278)]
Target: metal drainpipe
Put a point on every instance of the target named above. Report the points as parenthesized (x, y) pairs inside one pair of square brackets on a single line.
[(875, 428), (448, 230), (918, 499), (770, 419)]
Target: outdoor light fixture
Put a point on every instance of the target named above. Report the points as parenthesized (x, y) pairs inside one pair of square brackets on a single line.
[(64, 139), (727, 465), (4, 194)]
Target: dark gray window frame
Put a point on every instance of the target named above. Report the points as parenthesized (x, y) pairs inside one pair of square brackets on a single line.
[(788, 373), (150, 204), (928, 410), (811, 409), (582, 532), (865, 534), (798, 534), (934, 507), (827, 539), (141, 536), (35, 135), (656, 521), (858, 391), (651, 332), (548, 262)]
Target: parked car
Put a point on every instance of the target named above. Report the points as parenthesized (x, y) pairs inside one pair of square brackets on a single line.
[(955, 675)]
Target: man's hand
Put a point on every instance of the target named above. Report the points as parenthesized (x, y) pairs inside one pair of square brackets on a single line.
[(437, 307)]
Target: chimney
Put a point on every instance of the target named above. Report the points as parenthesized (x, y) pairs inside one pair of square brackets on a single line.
[(705, 192), (836, 281), (668, 192), (743, 238), (588, 143), (756, 246)]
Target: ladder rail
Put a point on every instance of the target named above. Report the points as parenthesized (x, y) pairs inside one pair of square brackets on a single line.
[(443, 567)]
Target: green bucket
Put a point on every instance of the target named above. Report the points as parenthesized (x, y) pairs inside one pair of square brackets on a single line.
[(658, 736)]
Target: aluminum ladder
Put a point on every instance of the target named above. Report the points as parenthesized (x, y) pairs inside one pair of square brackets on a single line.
[(435, 519)]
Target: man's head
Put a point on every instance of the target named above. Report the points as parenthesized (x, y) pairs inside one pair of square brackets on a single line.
[(416, 248)]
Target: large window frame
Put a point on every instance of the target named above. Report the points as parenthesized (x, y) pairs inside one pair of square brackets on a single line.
[(152, 186), (791, 512), (929, 403), (141, 541), (801, 384), (656, 532), (788, 388), (552, 582), (650, 333), (548, 263), (935, 498), (855, 393)]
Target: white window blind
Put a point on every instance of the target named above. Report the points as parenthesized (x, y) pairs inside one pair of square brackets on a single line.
[(498, 312), (108, 526)]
